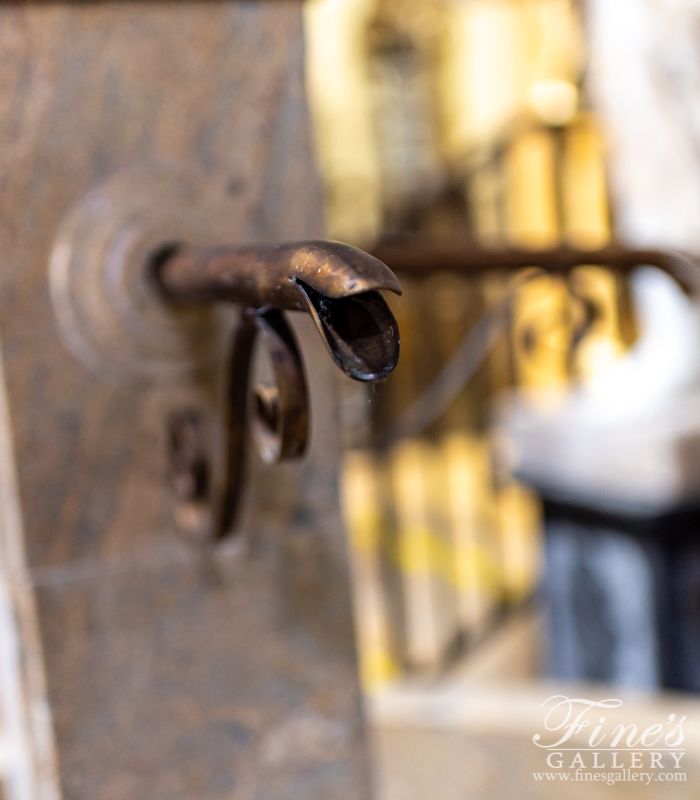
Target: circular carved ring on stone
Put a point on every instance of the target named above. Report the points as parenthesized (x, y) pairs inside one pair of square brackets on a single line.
[(110, 312)]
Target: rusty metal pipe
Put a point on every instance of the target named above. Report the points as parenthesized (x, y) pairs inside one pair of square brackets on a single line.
[(336, 283), (423, 259)]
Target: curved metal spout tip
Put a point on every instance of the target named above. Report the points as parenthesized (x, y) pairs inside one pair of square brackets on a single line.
[(337, 283), (339, 270), (359, 331)]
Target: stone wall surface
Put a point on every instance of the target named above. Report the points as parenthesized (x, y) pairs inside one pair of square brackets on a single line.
[(172, 671)]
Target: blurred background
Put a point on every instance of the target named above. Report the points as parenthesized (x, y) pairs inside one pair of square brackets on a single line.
[(521, 495)]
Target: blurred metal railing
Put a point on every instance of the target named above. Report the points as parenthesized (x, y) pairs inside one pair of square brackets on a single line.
[(444, 544)]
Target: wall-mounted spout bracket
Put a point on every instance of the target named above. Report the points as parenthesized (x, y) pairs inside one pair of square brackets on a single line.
[(135, 290)]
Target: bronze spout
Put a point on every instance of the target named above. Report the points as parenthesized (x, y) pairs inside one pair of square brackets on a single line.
[(336, 283)]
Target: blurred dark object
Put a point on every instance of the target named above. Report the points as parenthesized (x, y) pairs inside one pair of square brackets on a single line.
[(623, 596)]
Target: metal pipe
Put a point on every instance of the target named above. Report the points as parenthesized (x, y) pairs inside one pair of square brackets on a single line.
[(336, 283), (270, 275), (421, 259)]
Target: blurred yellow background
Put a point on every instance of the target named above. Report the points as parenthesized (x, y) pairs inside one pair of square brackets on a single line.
[(463, 122)]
